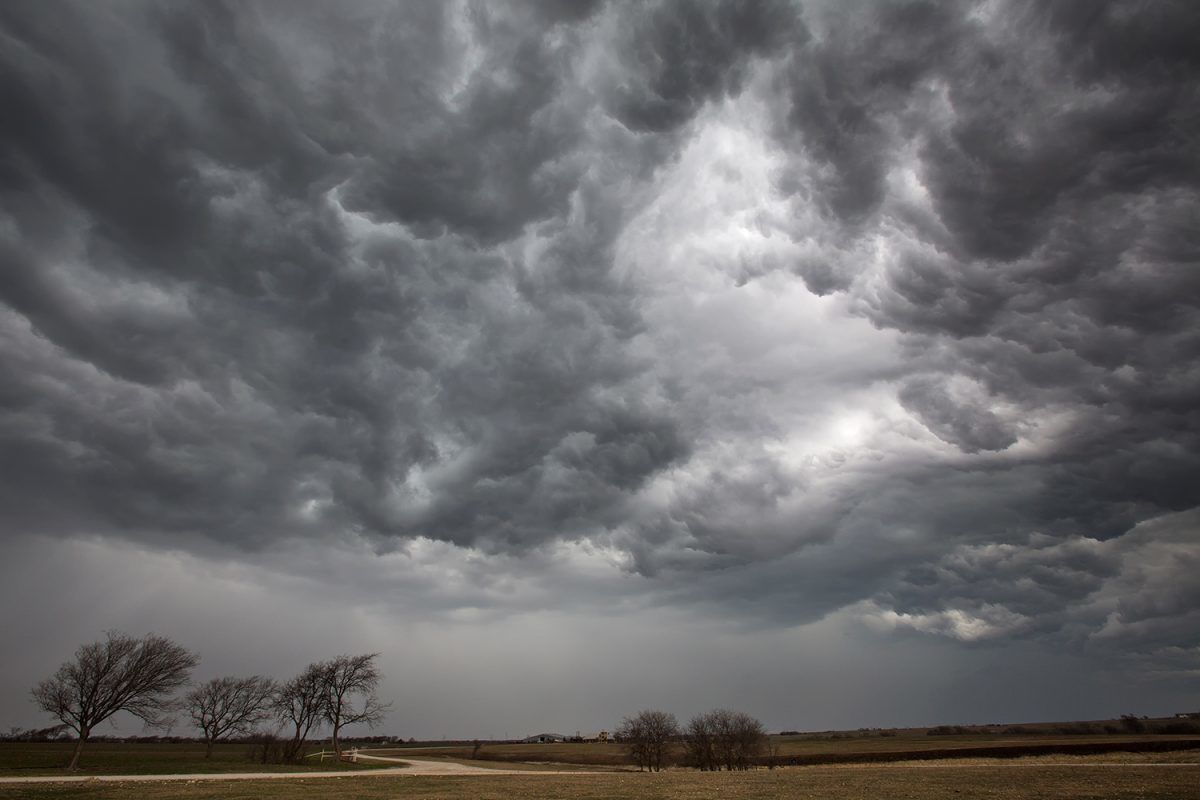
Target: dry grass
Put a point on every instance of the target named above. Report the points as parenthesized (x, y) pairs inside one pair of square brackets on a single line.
[(801, 746), (1177, 757), (1085, 779), (529, 766), (809, 747)]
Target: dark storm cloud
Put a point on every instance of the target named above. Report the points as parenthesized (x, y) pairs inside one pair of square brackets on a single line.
[(295, 271), (971, 428), (499, 157), (1048, 271), (177, 262), (844, 88), (680, 55)]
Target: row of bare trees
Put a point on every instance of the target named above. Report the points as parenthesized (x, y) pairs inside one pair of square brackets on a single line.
[(141, 675), (715, 740), (336, 693), (648, 735), (724, 739)]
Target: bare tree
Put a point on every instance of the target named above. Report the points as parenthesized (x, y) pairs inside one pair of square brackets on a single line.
[(345, 680), (739, 737), (633, 735), (749, 739), (724, 738), (267, 747), (119, 674), (773, 749), (648, 734), (300, 703), (700, 742), (225, 706)]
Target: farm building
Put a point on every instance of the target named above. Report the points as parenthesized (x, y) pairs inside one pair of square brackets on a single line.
[(544, 738)]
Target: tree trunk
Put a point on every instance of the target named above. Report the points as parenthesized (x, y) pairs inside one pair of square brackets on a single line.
[(337, 745), (74, 765), (208, 746)]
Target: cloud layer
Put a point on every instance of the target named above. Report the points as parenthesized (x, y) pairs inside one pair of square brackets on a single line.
[(763, 311)]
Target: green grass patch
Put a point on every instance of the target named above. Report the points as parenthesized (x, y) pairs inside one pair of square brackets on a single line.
[(111, 758)]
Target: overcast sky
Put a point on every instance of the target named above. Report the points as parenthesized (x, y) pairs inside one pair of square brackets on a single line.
[(837, 362)]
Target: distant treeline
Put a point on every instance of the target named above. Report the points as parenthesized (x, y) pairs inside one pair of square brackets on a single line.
[(55, 733), (1182, 724), (1127, 724), (983, 751)]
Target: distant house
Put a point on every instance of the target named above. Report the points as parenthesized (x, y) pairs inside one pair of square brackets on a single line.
[(595, 736), (544, 738)]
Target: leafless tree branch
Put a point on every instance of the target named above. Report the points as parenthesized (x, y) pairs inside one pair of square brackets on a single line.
[(121, 673), (347, 678), (648, 734), (225, 706), (300, 703)]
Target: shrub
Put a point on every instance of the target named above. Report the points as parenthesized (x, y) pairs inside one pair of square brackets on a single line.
[(266, 748), (1132, 724), (949, 730)]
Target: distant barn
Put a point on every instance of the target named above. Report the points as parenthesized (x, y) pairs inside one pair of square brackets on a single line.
[(544, 738)]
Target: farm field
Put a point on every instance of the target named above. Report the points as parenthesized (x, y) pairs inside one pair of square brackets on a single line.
[(1052, 778), (113, 758), (810, 749), (110, 758)]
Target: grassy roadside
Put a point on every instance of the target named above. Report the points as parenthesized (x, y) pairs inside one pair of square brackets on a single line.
[(108, 758)]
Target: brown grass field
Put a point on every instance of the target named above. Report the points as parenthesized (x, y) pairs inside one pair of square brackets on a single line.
[(817, 749), (1046, 778), (1145, 775)]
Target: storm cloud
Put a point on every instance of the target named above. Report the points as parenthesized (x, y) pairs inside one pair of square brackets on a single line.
[(778, 315)]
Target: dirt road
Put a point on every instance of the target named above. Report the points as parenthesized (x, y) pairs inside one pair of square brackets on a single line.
[(411, 766), (422, 767)]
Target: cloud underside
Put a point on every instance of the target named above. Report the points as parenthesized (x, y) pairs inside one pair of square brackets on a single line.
[(779, 309)]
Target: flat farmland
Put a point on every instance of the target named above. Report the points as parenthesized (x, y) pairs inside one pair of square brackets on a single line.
[(1053, 778), (810, 749), (110, 758)]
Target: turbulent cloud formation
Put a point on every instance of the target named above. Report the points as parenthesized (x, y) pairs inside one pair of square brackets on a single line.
[(765, 312)]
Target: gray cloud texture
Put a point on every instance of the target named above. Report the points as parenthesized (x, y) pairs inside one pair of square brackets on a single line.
[(769, 311)]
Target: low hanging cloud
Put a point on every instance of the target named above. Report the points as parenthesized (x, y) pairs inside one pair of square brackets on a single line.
[(775, 309)]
